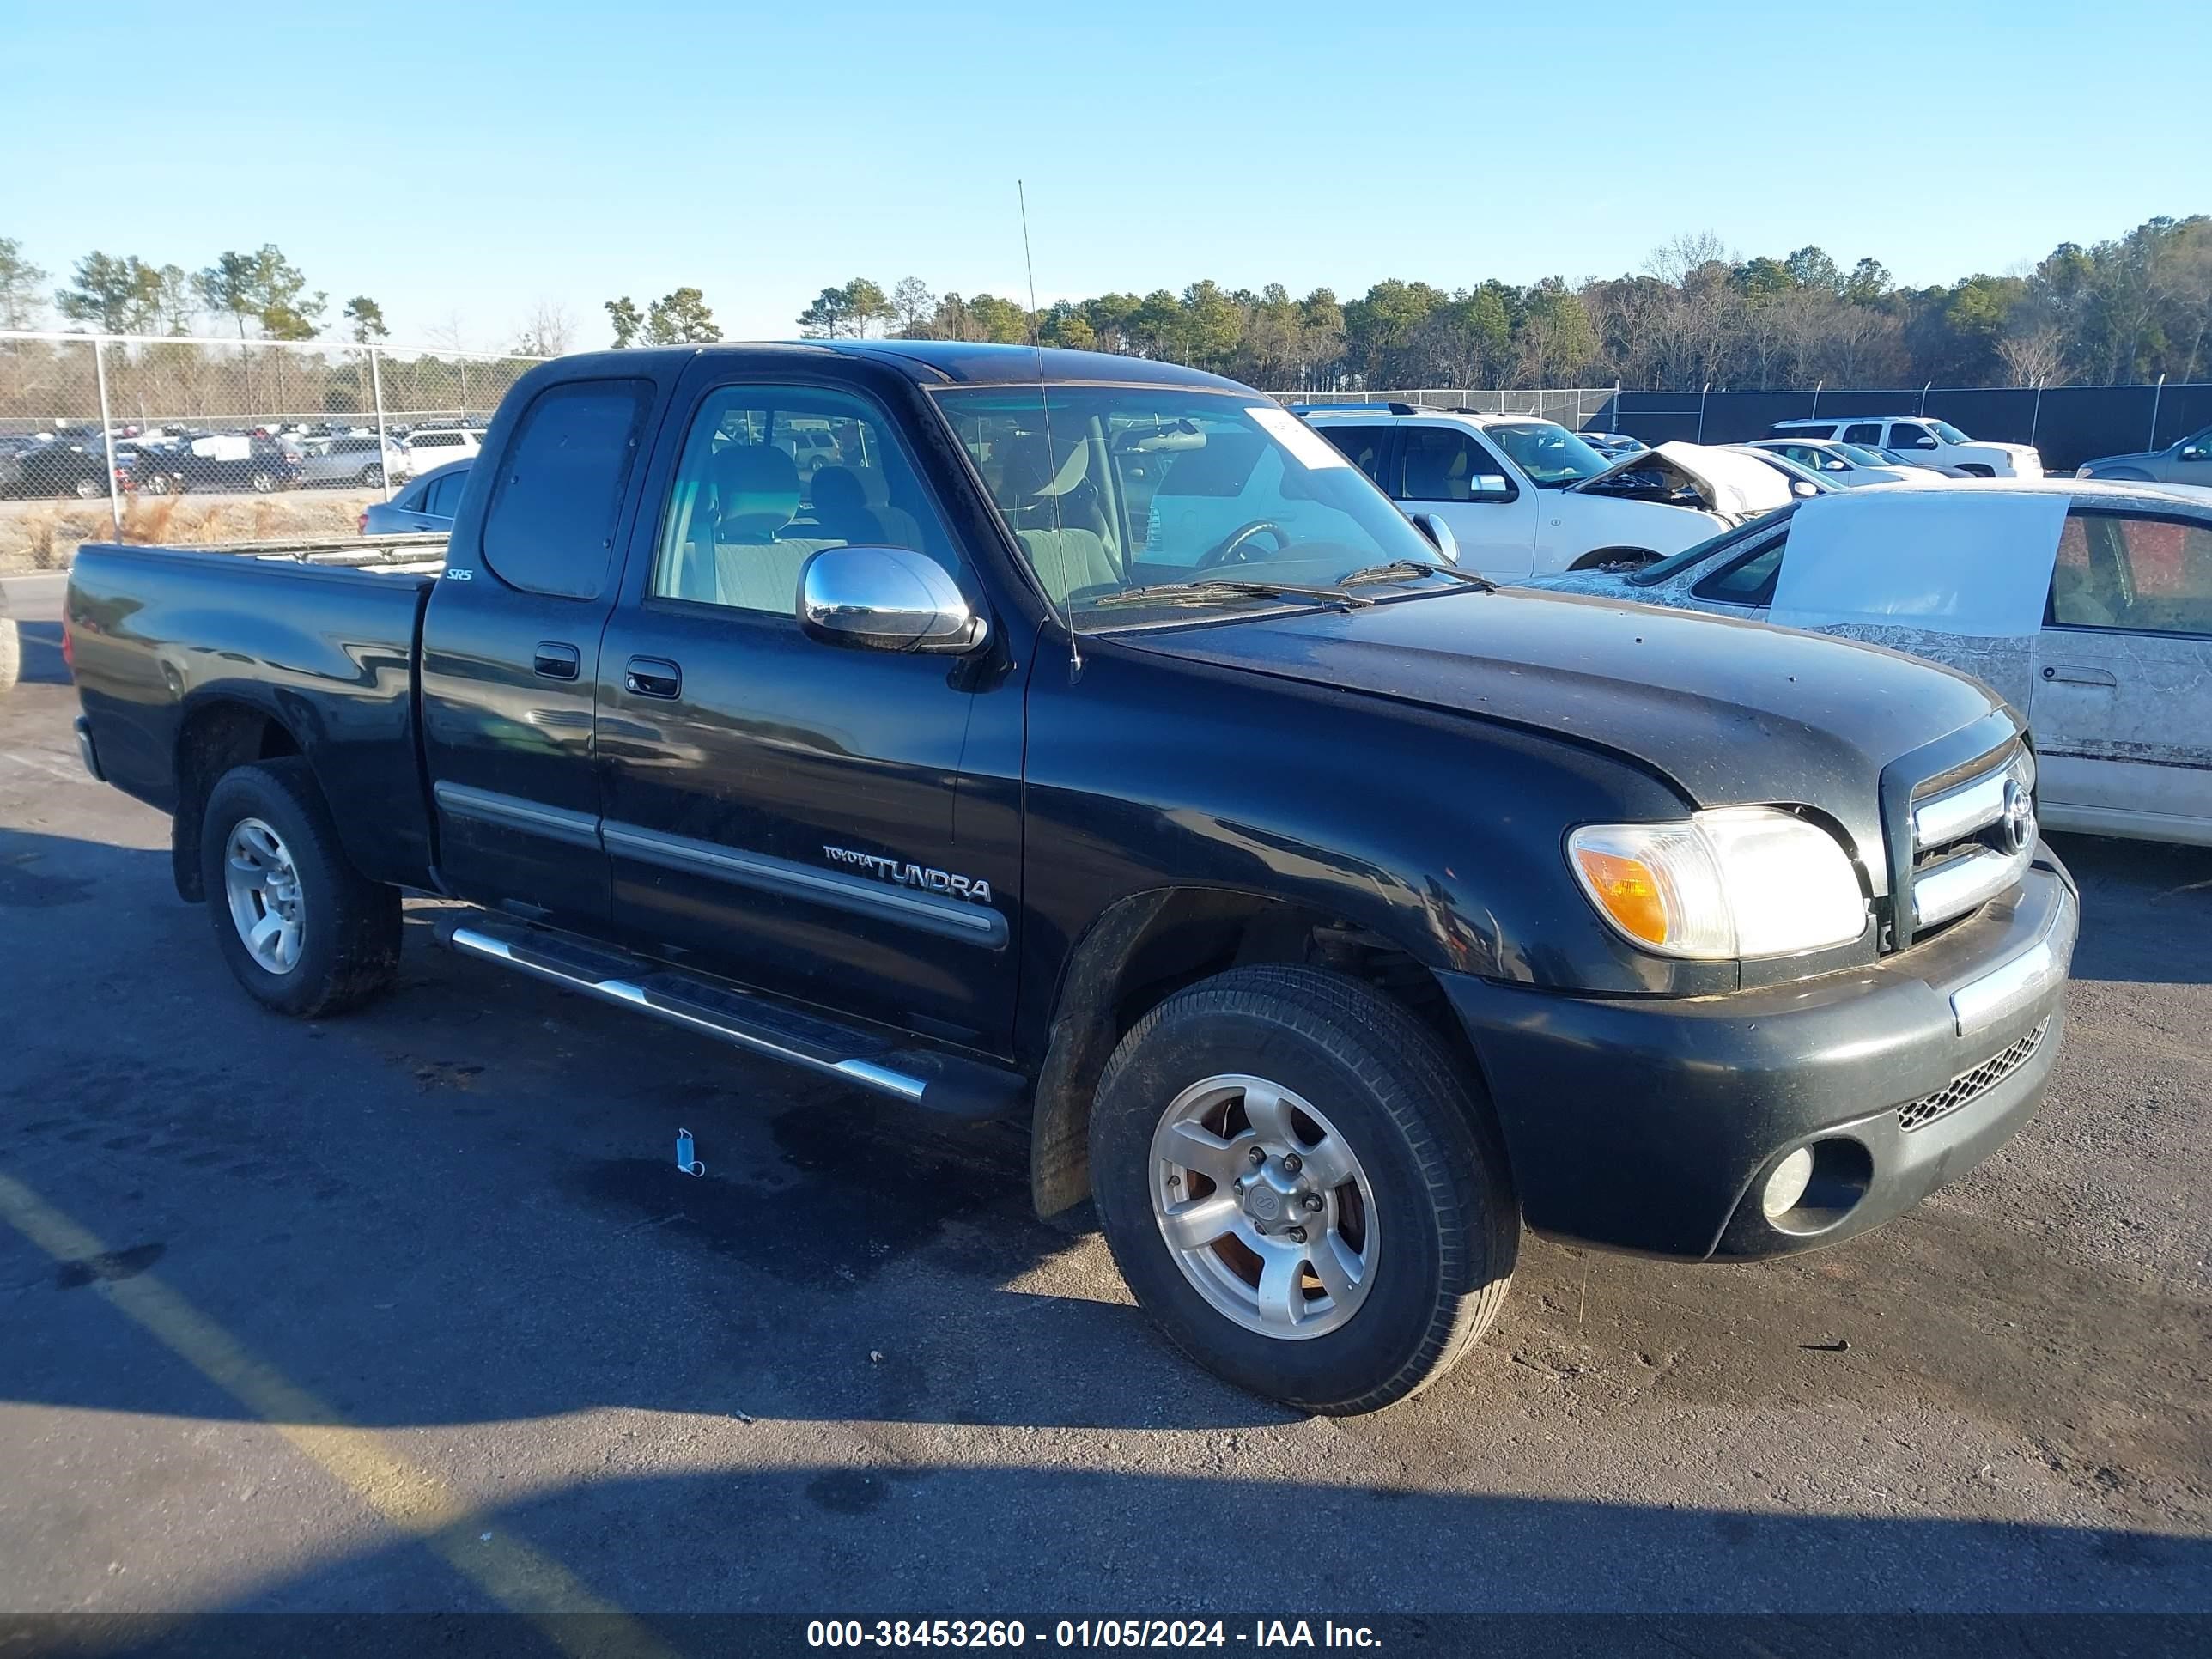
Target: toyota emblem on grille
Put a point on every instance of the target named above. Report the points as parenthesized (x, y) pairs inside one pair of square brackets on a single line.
[(2017, 825)]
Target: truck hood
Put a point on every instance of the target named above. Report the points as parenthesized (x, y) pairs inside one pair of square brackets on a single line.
[(1733, 713), (1725, 482)]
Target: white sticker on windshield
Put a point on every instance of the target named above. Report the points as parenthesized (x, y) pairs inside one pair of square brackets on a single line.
[(1295, 435)]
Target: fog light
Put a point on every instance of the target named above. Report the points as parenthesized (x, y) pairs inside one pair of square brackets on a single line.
[(1786, 1184)]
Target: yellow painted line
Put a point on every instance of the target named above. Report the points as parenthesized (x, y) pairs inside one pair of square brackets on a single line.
[(406, 1495)]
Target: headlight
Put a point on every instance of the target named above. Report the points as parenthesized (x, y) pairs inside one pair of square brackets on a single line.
[(1738, 881)]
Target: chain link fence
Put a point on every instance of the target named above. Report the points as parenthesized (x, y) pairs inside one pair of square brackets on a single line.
[(1570, 406), (150, 438)]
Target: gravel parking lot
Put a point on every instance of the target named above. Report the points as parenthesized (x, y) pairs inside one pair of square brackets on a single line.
[(411, 1310)]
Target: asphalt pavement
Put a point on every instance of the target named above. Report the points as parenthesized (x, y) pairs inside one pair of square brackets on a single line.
[(412, 1310)]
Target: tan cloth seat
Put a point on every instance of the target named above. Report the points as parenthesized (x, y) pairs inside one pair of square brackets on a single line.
[(1068, 559), (755, 493)]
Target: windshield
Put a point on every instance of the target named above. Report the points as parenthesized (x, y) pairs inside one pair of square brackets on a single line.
[(1107, 488), (1654, 574), (1858, 455), (1947, 433), (1552, 456)]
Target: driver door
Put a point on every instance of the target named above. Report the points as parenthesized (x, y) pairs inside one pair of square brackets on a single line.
[(1449, 471), (782, 811)]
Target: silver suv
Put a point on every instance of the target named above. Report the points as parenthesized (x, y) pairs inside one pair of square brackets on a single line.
[(2188, 461), (353, 459)]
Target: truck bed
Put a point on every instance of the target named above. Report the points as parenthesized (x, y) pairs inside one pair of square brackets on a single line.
[(320, 637)]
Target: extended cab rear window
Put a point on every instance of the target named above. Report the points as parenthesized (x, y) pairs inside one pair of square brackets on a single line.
[(551, 527)]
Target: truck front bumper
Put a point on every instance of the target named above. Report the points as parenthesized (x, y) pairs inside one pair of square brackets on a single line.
[(1655, 1125)]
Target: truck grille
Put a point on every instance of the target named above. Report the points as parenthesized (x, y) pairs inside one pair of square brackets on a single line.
[(1973, 835), (1970, 1086)]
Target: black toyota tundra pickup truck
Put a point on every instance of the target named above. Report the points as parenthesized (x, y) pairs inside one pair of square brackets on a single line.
[(1080, 739)]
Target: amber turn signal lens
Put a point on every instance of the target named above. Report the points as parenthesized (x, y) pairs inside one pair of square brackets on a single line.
[(1628, 891)]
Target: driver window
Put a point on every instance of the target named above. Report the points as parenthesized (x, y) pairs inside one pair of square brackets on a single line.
[(1441, 463), (1905, 435), (771, 475)]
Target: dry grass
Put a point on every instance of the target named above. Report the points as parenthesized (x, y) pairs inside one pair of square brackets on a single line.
[(45, 535)]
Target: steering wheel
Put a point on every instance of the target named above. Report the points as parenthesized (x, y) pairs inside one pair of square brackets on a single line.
[(1232, 550)]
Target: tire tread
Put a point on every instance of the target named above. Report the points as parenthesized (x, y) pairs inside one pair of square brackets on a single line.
[(1407, 1072), (362, 916)]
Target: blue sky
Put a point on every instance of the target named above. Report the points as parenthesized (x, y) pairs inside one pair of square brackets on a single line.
[(468, 160)]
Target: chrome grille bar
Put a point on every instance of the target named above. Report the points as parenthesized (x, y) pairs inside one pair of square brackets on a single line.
[(1964, 884)]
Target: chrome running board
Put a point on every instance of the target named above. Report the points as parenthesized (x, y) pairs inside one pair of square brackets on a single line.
[(949, 1085)]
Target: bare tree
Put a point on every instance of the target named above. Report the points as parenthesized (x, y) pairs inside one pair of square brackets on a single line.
[(1673, 260), (549, 331), (912, 306), (2036, 357)]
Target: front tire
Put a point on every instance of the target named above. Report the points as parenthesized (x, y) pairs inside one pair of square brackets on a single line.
[(1374, 1238), (303, 931)]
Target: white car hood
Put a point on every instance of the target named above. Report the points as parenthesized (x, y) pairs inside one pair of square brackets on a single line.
[(1955, 562), (1736, 485)]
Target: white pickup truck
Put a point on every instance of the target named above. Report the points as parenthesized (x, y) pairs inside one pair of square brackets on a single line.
[(1924, 439), (1524, 496)]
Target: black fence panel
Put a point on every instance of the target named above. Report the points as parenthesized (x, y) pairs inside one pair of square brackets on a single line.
[(2003, 414), (2069, 424), (2184, 411)]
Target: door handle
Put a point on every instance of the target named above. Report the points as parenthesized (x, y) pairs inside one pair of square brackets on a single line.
[(2070, 674), (654, 676), (554, 661)]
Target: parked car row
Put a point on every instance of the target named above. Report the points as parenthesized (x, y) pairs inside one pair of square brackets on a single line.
[(157, 461)]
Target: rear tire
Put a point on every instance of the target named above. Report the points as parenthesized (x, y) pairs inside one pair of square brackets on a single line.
[(1426, 1215), (345, 928), (371, 478)]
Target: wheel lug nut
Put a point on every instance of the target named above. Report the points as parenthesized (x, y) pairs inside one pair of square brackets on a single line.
[(1174, 1181), (1259, 1157), (1292, 1162), (1297, 1234), (1260, 1228), (1314, 1203)]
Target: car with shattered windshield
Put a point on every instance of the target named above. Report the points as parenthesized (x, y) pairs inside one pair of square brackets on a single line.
[(1089, 743)]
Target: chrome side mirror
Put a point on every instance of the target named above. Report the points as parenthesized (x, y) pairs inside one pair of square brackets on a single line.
[(1490, 487), (1439, 534), (885, 598)]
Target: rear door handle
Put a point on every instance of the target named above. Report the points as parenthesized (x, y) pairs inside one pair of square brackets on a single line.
[(554, 661), (654, 676), (2070, 674)]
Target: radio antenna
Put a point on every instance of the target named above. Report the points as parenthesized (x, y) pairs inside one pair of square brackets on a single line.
[(1044, 404)]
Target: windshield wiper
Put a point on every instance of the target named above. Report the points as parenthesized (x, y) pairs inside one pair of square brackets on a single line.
[(1376, 573), (1211, 587)]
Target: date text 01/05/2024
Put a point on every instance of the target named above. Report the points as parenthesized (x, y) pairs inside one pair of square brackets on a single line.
[(1084, 1633)]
